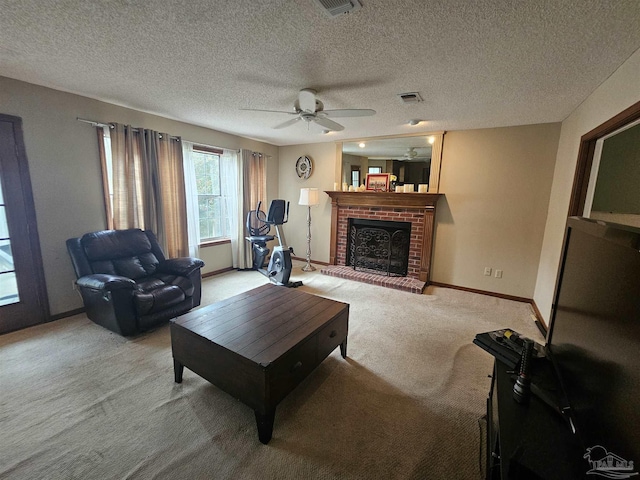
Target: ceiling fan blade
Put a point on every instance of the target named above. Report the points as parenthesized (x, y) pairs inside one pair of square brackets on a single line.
[(353, 112), (307, 100), (330, 124), (288, 123), (271, 111)]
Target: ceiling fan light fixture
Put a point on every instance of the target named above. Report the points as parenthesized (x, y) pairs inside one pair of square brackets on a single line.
[(309, 109)]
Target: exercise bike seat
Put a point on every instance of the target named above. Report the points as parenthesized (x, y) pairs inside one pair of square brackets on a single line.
[(260, 238)]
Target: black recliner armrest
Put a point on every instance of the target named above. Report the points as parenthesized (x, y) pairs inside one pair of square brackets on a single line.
[(182, 266), (102, 281)]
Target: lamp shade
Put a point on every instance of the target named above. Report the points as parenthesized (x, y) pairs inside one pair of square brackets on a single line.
[(309, 196)]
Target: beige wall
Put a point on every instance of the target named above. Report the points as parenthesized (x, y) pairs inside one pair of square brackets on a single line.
[(618, 92), (322, 177), (496, 185), (65, 171)]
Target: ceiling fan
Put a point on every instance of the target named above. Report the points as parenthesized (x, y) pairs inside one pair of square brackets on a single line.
[(411, 154), (308, 108)]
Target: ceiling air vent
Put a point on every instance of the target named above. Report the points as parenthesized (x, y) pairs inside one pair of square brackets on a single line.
[(410, 97), (338, 7)]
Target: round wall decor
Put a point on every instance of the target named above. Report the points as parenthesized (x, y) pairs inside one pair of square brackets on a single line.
[(304, 167)]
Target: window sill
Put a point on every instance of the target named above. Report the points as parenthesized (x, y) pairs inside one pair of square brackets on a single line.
[(213, 243)]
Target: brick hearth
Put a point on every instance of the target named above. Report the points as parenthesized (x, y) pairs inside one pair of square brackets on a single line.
[(417, 208), (407, 284)]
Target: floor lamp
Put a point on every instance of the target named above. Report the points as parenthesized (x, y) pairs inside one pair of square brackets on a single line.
[(309, 197)]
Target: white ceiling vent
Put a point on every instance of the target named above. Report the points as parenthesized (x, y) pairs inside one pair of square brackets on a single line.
[(410, 97), (338, 7)]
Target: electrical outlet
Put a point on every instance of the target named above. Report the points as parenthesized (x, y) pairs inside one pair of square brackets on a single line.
[(487, 271), (498, 273)]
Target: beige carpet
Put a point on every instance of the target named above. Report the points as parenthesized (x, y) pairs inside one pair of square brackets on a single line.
[(79, 402)]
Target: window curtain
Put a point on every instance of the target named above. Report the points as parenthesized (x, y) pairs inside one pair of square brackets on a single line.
[(231, 192), (102, 133), (254, 190), (148, 186), (191, 190)]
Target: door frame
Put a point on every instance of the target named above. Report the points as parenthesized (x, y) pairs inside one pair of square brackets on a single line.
[(20, 174), (586, 152)]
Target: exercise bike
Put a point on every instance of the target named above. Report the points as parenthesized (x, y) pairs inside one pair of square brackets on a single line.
[(258, 228)]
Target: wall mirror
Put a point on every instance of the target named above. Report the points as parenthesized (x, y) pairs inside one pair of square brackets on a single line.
[(412, 159)]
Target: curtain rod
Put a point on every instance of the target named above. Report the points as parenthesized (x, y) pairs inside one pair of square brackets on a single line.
[(102, 125), (94, 124)]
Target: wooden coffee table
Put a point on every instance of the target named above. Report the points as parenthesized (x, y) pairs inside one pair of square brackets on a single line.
[(259, 345)]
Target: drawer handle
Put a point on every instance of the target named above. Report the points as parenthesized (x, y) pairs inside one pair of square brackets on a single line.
[(333, 334), (296, 366)]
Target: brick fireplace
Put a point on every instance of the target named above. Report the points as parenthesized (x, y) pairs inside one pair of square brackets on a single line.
[(417, 208)]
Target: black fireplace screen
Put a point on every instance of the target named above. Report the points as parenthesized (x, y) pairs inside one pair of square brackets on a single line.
[(379, 246)]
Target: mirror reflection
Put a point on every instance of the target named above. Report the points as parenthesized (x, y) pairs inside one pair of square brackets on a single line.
[(408, 158)]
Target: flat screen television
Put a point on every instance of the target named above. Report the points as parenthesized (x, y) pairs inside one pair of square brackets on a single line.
[(594, 335)]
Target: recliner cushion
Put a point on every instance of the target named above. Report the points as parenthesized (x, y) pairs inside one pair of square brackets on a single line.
[(120, 252), (160, 291), (129, 267), (183, 282), (157, 299), (110, 244)]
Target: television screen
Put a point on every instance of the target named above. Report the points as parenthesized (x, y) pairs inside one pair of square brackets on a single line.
[(594, 336)]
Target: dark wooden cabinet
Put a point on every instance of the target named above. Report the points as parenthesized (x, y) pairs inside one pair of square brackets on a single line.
[(529, 441)]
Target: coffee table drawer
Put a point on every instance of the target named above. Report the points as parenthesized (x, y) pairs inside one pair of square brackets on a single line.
[(332, 335), (290, 369)]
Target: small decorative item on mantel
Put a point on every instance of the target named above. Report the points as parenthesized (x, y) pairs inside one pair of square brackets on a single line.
[(377, 182), (392, 182)]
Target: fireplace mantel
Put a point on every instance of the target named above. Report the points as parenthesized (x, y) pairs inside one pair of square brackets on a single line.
[(346, 205), (384, 199)]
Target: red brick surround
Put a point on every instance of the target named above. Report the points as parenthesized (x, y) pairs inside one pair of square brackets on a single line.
[(417, 208)]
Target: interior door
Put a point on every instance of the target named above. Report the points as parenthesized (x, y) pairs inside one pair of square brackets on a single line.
[(23, 296)]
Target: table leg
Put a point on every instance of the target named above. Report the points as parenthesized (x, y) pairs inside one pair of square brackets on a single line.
[(343, 348), (178, 368), (264, 422)]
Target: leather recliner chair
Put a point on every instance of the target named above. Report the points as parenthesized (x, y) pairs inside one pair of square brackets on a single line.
[(126, 283)]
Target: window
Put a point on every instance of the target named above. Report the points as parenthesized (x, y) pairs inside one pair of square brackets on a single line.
[(212, 220), (108, 163), (210, 189), (375, 169), (8, 282), (355, 176)]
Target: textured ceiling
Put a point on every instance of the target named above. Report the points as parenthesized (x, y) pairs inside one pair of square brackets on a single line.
[(483, 63)]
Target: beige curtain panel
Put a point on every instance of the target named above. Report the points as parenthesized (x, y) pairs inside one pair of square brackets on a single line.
[(148, 186), (254, 180)]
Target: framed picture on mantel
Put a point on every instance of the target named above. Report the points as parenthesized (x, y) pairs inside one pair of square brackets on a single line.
[(377, 182)]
